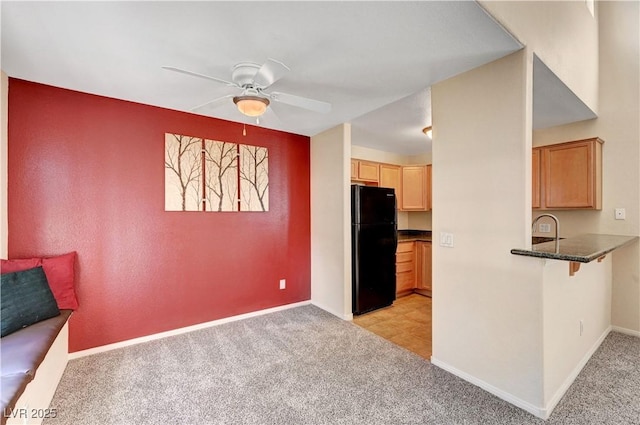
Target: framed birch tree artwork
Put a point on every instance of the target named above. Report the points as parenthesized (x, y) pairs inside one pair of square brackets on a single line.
[(221, 176), (212, 175), (254, 178), (182, 173)]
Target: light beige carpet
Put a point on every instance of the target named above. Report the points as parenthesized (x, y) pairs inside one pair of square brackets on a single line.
[(305, 366)]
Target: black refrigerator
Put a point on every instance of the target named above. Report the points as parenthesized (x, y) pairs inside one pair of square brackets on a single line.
[(373, 247)]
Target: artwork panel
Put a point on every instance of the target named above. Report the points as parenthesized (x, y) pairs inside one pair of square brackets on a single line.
[(221, 175), (254, 178), (183, 172)]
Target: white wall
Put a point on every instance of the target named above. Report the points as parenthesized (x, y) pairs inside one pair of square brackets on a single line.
[(331, 221), (361, 152), (4, 185), (525, 314), (618, 125), (567, 300), (563, 34), (487, 304)]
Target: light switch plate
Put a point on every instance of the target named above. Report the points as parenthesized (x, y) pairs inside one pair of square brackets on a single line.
[(446, 239)]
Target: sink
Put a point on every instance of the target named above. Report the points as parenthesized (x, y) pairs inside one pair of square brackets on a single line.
[(541, 239)]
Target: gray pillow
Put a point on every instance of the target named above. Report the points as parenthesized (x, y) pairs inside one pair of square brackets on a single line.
[(25, 299)]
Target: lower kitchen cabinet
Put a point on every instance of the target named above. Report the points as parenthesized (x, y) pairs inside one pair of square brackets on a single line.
[(413, 268), (423, 269), (405, 268)]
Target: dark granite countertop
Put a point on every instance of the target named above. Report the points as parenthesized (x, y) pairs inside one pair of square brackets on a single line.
[(414, 235), (583, 248)]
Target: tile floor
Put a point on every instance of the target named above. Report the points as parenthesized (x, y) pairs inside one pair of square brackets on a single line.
[(407, 323)]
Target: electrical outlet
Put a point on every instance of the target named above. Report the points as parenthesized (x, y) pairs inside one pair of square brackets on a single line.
[(621, 214), (545, 228), (581, 327), (283, 284)]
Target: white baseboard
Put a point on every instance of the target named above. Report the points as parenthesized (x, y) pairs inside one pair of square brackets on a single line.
[(553, 402), (335, 313), (626, 331), (540, 412), (524, 405), (184, 330)]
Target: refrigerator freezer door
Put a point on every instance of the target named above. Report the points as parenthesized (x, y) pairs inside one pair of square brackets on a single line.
[(373, 266), (372, 205)]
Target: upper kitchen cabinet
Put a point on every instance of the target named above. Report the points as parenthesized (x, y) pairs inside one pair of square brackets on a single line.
[(570, 175), (364, 171), (535, 178), (391, 176), (416, 188)]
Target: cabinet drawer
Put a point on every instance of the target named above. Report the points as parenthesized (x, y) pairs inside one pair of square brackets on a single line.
[(405, 247), (404, 257), (405, 267)]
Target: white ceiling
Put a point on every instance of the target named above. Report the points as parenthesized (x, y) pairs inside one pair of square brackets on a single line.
[(373, 61)]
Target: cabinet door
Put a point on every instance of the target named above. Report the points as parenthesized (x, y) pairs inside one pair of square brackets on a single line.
[(368, 171), (354, 169), (428, 188), (424, 266), (535, 178), (569, 175), (414, 184), (390, 176)]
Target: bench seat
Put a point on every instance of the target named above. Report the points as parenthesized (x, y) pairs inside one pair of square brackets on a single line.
[(21, 354)]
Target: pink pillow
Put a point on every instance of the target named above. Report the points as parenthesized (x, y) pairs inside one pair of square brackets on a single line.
[(19, 264), (60, 274)]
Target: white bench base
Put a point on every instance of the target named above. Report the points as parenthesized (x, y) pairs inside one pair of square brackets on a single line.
[(33, 406)]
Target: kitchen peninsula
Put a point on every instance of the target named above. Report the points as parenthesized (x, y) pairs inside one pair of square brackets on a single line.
[(579, 249)]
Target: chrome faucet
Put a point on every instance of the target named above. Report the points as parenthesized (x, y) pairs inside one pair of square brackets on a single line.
[(555, 219)]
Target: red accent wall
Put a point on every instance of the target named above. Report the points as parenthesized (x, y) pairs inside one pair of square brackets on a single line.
[(86, 174)]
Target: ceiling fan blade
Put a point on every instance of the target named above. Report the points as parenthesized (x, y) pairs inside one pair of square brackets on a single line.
[(211, 102), (195, 74), (271, 117), (270, 72), (301, 102)]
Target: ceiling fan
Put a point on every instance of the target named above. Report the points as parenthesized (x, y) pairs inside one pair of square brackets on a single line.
[(252, 80)]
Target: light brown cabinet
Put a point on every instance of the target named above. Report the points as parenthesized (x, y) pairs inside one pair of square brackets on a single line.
[(535, 178), (416, 188), (405, 268), (429, 185), (354, 169), (391, 176), (412, 183), (365, 171), (423, 269), (570, 175)]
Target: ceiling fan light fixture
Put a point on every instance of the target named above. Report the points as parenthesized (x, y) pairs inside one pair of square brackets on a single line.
[(427, 131), (251, 106)]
